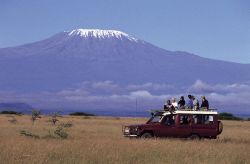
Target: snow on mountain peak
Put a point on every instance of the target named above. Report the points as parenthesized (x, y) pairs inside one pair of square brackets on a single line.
[(101, 34)]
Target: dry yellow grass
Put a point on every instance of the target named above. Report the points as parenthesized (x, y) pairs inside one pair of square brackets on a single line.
[(99, 140)]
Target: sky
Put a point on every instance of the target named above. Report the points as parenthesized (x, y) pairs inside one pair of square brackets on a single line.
[(218, 29)]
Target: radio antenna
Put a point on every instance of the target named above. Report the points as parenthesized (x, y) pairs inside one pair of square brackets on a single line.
[(136, 104)]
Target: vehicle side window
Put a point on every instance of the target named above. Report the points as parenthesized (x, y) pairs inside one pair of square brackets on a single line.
[(211, 119), (169, 120), (203, 119), (195, 119), (184, 120)]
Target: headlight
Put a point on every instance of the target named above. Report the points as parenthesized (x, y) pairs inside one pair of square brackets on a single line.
[(126, 130)]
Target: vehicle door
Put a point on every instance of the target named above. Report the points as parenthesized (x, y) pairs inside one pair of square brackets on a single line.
[(204, 125), (167, 127), (183, 125)]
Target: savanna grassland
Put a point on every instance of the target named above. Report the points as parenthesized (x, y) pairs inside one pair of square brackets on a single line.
[(99, 140)]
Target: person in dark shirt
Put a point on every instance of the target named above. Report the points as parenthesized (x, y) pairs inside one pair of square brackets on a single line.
[(204, 103), (181, 102), (169, 107)]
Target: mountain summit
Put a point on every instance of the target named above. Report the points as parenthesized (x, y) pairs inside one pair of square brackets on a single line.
[(84, 43), (100, 34)]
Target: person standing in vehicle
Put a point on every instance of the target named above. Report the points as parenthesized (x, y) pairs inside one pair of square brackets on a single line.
[(174, 103), (204, 103), (195, 103), (190, 102), (169, 107), (181, 103)]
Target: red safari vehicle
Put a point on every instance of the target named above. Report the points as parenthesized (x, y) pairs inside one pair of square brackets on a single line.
[(181, 124)]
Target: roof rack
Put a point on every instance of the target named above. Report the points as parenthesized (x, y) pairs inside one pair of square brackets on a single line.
[(186, 111), (201, 109)]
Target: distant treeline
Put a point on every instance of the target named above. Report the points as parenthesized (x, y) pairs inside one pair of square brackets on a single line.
[(71, 114), (229, 116), (81, 114), (10, 112)]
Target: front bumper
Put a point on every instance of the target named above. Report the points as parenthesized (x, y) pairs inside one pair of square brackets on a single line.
[(130, 135)]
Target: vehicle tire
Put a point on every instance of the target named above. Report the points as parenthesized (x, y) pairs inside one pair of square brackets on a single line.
[(194, 137), (220, 127), (146, 135)]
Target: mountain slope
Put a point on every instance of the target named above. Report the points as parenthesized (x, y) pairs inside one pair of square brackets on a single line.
[(68, 58)]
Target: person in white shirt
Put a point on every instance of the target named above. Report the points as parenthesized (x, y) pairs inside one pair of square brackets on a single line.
[(196, 103), (174, 103)]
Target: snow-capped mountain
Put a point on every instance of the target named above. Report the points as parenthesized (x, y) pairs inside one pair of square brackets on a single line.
[(68, 59), (100, 34)]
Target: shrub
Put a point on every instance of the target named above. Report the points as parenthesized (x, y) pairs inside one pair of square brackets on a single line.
[(60, 132), (67, 125), (29, 134)]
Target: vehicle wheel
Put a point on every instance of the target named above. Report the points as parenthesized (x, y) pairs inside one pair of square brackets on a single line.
[(194, 137), (146, 135), (220, 127)]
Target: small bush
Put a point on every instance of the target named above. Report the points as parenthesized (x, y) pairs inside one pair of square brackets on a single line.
[(50, 135), (67, 125), (29, 134), (60, 132)]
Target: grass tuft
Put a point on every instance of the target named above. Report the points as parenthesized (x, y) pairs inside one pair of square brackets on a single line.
[(29, 134)]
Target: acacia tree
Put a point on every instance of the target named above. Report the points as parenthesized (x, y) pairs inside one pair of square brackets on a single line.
[(54, 116), (35, 114)]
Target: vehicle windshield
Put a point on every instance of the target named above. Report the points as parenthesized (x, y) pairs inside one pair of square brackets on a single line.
[(155, 119)]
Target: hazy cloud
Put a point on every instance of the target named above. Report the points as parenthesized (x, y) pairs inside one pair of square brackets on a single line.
[(202, 87), (150, 86), (105, 85), (91, 95), (143, 94)]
